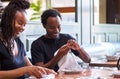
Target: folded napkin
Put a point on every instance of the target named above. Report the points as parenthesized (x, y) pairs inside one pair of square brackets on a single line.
[(112, 58), (68, 62), (49, 76), (116, 74)]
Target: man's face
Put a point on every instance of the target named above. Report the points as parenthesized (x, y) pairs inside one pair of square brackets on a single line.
[(53, 27)]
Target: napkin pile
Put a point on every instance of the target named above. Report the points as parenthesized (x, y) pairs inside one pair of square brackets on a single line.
[(49, 76)]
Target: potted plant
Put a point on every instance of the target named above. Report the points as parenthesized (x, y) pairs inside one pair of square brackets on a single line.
[(36, 7)]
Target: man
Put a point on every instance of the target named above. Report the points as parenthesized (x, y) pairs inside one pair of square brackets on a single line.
[(43, 49)]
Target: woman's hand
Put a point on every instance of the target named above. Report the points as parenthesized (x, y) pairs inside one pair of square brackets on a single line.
[(38, 71)]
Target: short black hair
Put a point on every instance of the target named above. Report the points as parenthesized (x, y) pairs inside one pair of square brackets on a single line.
[(49, 13)]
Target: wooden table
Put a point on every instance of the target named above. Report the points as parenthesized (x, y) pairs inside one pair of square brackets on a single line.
[(91, 74), (104, 63)]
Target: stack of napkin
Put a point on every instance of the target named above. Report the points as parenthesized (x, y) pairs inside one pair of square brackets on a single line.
[(49, 76), (116, 74), (111, 58)]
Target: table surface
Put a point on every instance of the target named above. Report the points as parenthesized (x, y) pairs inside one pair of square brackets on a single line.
[(85, 74), (104, 63), (90, 74)]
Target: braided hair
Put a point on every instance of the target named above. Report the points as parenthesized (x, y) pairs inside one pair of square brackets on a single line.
[(7, 24)]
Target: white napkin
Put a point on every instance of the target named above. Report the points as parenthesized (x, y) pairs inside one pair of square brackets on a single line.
[(49, 76), (116, 74), (112, 57), (68, 62)]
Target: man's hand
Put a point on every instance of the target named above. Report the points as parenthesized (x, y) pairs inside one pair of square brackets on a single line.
[(63, 50), (73, 44)]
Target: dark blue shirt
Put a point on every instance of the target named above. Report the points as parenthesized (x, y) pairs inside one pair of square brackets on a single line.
[(7, 62)]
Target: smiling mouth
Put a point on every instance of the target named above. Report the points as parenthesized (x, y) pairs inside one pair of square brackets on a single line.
[(21, 30), (56, 34)]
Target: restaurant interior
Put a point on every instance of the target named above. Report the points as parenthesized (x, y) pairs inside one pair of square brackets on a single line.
[(95, 26)]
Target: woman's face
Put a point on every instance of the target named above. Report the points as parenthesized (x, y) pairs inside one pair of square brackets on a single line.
[(20, 22), (53, 27)]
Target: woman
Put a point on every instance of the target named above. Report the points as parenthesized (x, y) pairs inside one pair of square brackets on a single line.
[(14, 63)]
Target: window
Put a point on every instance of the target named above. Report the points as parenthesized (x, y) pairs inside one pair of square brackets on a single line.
[(66, 8)]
